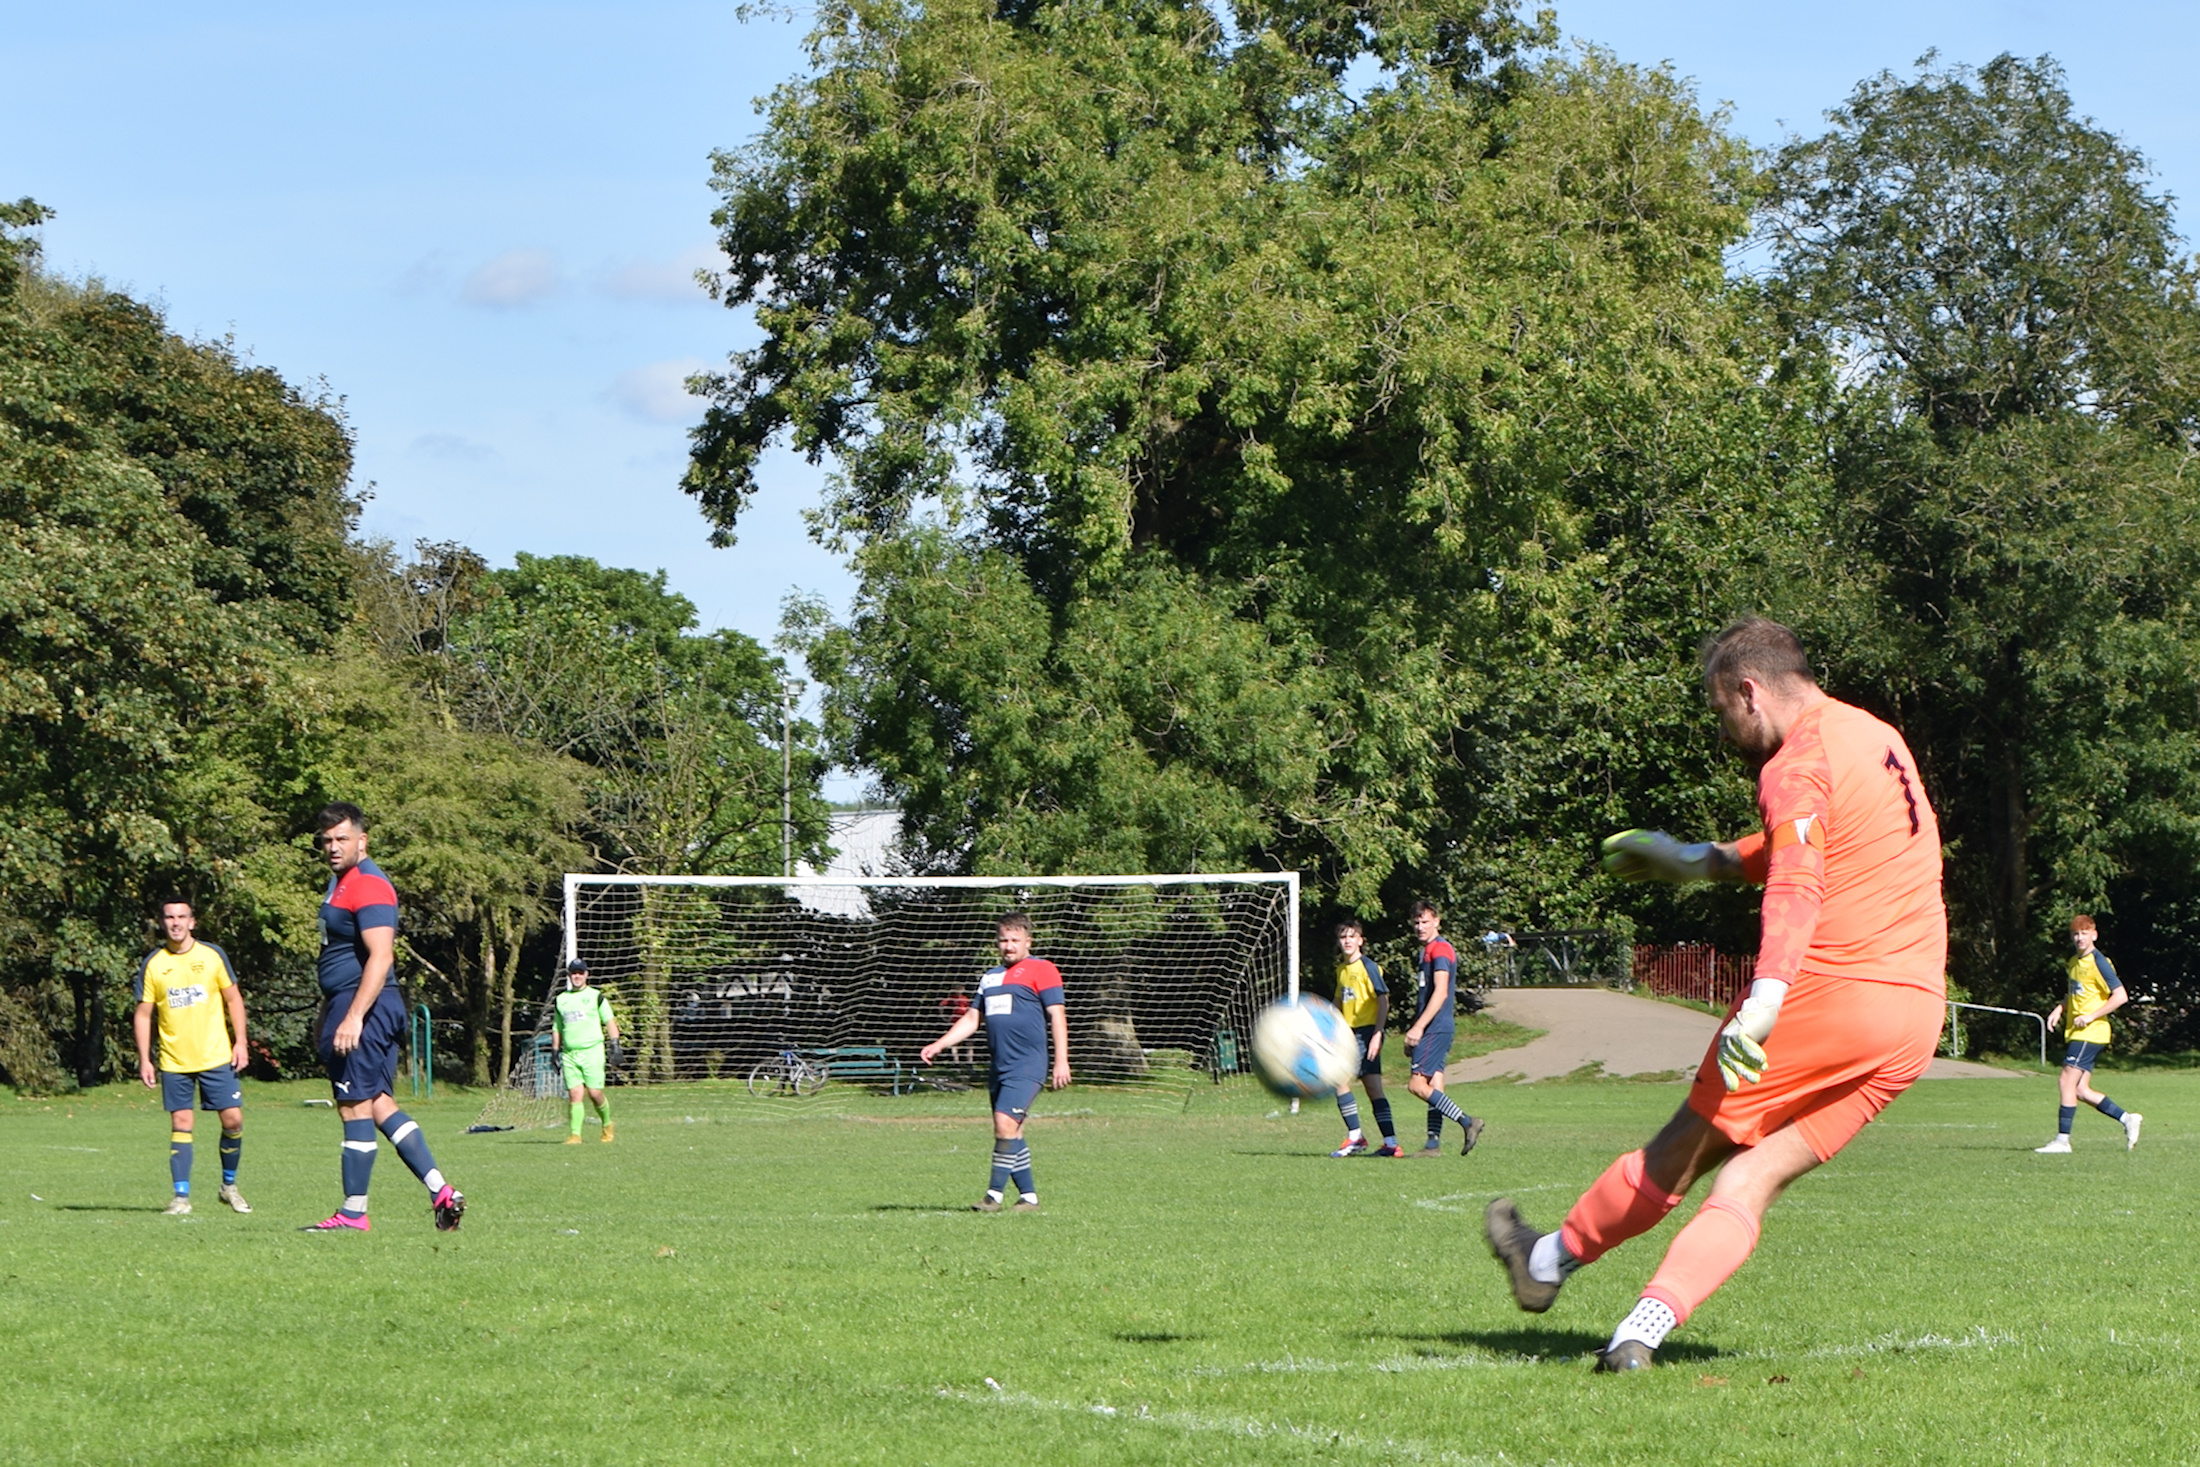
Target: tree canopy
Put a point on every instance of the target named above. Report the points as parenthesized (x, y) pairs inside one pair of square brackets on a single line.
[(2010, 454), (1158, 336), (1285, 435), (1320, 436), (196, 653)]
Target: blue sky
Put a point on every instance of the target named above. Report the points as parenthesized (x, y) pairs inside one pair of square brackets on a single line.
[(476, 222)]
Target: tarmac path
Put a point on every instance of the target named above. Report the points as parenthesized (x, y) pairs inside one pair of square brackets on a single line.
[(1624, 1034)]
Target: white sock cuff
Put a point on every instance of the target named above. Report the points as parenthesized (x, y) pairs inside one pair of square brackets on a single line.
[(1549, 1262), (1650, 1322), (355, 1204), (403, 1131), (359, 1145)]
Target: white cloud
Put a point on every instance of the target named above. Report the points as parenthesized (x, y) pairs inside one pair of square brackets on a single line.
[(450, 446), (658, 392), (670, 280), (514, 278)]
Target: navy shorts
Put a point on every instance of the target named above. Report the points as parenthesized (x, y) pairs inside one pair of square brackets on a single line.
[(1013, 1094), (217, 1089), (2082, 1054), (1435, 1047), (1365, 1033), (371, 1069)]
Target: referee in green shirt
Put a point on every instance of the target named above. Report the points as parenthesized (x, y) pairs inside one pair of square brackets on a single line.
[(582, 1022)]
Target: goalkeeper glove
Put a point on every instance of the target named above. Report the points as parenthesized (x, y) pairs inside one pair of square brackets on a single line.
[(1652, 855), (1741, 1054)]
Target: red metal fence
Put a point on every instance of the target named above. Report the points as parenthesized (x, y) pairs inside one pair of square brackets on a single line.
[(1692, 970)]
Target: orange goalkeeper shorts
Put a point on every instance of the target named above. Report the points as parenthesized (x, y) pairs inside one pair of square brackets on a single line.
[(1840, 1052)]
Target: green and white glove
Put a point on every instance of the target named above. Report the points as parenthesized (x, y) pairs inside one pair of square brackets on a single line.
[(1652, 855), (1742, 1042)]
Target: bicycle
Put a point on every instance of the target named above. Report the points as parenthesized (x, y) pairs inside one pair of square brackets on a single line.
[(786, 1073)]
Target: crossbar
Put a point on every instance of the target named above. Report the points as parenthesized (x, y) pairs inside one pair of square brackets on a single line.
[(1175, 878)]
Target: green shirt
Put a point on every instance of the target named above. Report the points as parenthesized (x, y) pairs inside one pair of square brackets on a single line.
[(582, 1013)]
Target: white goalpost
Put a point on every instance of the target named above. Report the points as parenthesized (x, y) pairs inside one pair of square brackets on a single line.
[(807, 981)]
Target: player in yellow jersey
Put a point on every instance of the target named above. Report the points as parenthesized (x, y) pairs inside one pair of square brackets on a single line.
[(191, 989), (1365, 1003), (2095, 992)]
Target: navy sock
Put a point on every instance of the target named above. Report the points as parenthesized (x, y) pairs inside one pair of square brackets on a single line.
[(1383, 1122), (412, 1148), (232, 1147), (359, 1149), (1349, 1108), (179, 1161), (1019, 1167), (998, 1183), (1435, 1121), (1439, 1101), (2063, 1118), (2109, 1108)]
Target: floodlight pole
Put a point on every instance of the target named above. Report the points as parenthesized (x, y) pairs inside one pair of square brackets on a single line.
[(786, 780)]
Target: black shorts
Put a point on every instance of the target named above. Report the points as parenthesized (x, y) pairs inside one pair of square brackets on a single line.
[(2082, 1054), (1365, 1033), (371, 1069)]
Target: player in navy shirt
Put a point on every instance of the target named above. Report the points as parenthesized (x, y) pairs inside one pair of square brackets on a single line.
[(363, 1023), (1429, 1040), (1020, 1004)]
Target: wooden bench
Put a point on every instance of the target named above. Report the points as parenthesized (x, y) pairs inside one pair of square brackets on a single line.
[(859, 1062)]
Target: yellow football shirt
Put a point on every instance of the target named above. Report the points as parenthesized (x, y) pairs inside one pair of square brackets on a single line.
[(185, 990), (2092, 979), (1359, 984)]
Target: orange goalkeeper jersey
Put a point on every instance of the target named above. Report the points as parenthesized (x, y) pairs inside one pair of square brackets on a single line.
[(1849, 856)]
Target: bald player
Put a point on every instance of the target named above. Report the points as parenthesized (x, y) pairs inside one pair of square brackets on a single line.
[(1844, 1012)]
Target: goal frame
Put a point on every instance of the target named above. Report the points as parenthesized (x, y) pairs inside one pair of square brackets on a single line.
[(1289, 880)]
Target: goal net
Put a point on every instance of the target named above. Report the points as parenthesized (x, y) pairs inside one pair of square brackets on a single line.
[(533, 1094), (802, 982)]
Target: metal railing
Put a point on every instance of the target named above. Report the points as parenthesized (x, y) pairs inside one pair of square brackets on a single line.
[(1955, 1027), (422, 1044), (1693, 970)]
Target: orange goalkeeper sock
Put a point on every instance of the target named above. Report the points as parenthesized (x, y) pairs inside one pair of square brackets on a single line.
[(1621, 1204), (1717, 1240)]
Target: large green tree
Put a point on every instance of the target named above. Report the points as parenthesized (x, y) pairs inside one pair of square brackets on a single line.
[(2012, 544), (172, 527), (1310, 472)]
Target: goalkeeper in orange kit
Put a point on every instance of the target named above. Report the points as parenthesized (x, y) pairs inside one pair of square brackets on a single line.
[(1843, 1014)]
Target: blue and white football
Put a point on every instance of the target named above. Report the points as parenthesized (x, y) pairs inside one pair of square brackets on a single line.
[(1302, 1046)]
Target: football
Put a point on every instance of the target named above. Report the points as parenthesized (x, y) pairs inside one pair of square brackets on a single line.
[(1302, 1046)]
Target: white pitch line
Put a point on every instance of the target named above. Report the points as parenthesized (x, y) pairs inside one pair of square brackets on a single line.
[(1388, 1449), (1443, 1203), (1977, 1339)]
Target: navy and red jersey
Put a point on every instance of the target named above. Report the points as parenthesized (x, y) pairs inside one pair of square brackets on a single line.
[(1015, 1000), (359, 899), (1438, 957)]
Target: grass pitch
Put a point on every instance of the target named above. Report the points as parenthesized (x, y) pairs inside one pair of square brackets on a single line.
[(748, 1281)]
